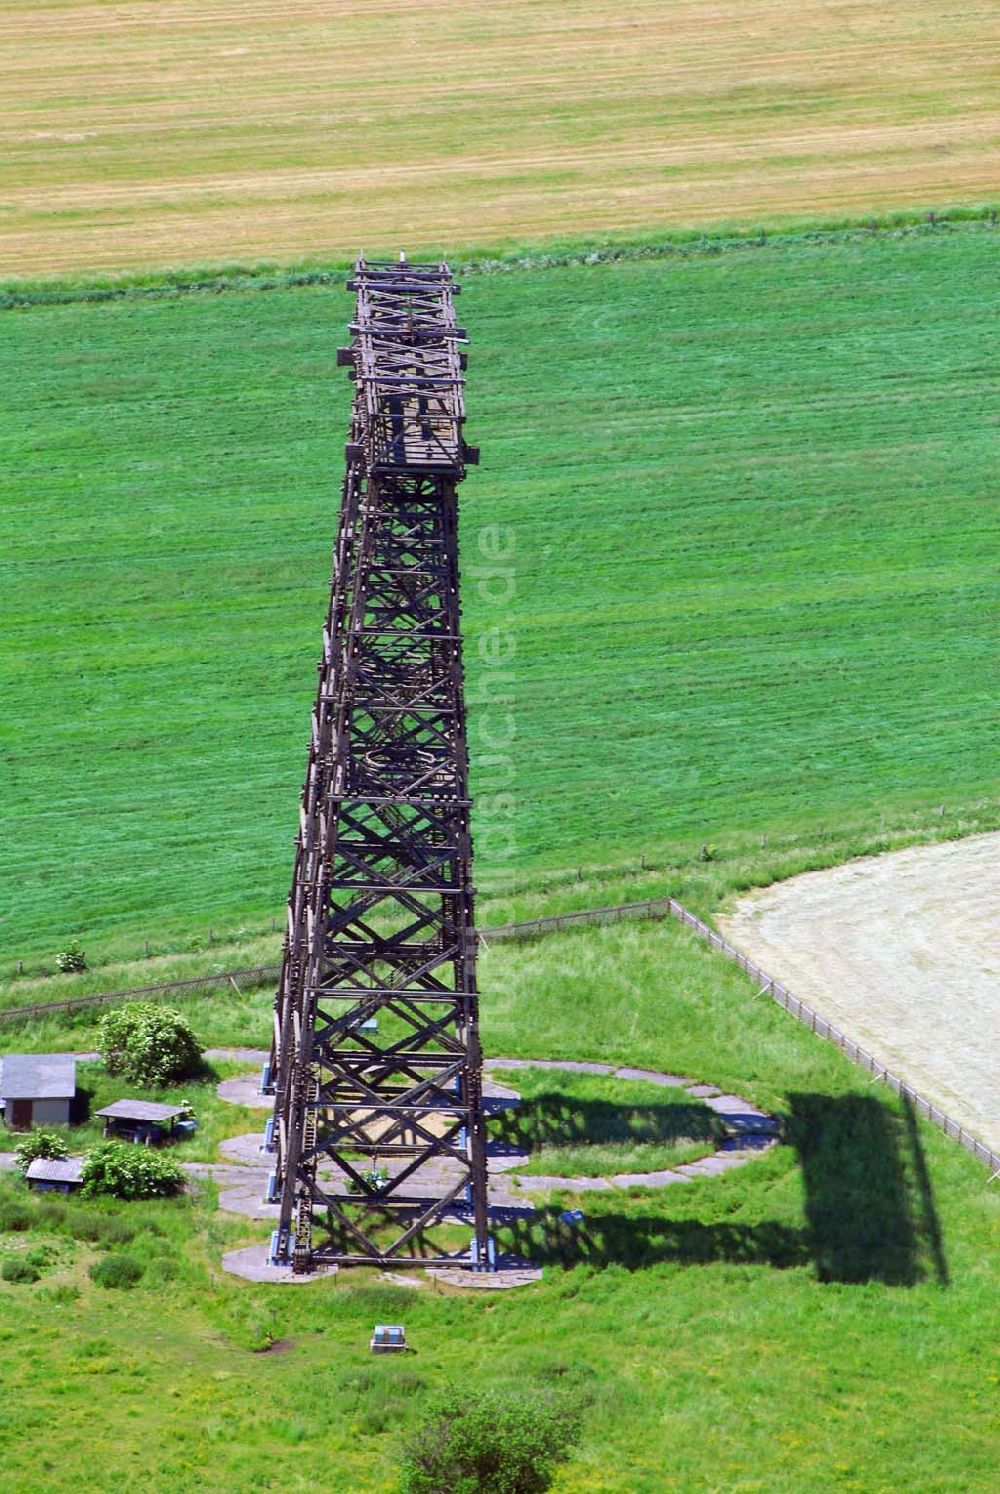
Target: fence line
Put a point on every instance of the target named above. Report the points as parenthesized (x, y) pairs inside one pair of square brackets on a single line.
[(824, 1029), (259, 975), (656, 907)]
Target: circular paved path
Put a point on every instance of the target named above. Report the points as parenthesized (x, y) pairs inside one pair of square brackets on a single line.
[(244, 1175)]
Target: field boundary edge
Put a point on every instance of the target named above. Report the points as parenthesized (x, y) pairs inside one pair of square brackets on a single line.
[(18, 293)]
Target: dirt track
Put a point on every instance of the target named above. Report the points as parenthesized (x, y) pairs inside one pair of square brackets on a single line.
[(900, 951)]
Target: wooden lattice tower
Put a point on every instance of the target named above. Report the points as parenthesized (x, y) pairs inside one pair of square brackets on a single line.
[(375, 1064)]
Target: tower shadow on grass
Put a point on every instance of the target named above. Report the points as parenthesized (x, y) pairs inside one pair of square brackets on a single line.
[(638, 1241), (859, 1204), (869, 1209), (557, 1120)]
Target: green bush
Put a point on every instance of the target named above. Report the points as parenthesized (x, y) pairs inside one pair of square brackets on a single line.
[(488, 1442), (17, 1269), (163, 1269), (126, 1171), (15, 1216), (117, 1272), (51, 1215), (39, 1144), (115, 1232), (60, 1295), (40, 1256), (84, 1226), (148, 1045), (71, 959)]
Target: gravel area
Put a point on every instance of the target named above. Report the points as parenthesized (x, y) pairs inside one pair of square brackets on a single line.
[(902, 953)]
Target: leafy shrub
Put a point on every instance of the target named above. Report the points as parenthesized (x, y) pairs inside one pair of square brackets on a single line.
[(128, 1171), (15, 1216), (39, 1144), (51, 1215), (62, 1294), (115, 1232), (17, 1269), (71, 959), (488, 1442), (117, 1272), (40, 1256), (83, 1226), (147, 1044), (163, 1269)]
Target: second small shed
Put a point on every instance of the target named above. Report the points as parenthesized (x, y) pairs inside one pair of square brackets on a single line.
[(144, 1121), (55, 1174)]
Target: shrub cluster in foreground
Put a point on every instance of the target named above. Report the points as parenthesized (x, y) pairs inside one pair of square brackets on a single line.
[(126, 1171), (133, 1243), (120, 1272), (489, 1442)]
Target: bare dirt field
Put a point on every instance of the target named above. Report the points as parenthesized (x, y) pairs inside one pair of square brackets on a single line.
[(902, 952), (205, 131)]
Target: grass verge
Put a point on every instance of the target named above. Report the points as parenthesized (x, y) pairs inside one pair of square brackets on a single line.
[(834, 1290)]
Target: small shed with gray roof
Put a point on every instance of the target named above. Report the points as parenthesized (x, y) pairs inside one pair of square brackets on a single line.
[(55, 1174), (37, 1089)]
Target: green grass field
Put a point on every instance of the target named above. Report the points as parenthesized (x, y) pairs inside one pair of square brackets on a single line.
[(825, 1318), (748, 495)]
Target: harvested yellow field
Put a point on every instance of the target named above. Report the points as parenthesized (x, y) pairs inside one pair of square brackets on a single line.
[(209, 130), (900, 952)]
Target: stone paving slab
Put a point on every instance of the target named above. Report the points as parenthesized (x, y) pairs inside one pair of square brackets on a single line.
[(570, 1065), (544, 1184), (730, 1105), (661, 1179), (258, 1056), (243, 1090), (251, 1262), (224, 1172), (504, 1161), (653, 1076), (247, 1198), (246, 1149), (703, 1091), (709, 1167)]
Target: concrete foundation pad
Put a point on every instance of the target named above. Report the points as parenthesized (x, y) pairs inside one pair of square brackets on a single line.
[(246, 1150), (251, 1262), (243, 1091), (248, 1199), (511, 1271)]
